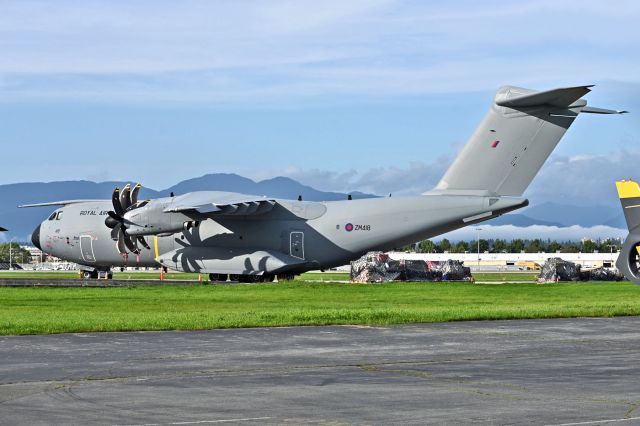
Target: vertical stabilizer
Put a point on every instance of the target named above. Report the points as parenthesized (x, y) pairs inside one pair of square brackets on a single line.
[(514, 140)]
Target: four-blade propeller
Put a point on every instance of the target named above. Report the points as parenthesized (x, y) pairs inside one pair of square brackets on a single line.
[(123, 202)]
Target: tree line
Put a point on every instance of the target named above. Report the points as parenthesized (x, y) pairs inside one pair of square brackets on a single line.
[(18, 254), (516, 246)]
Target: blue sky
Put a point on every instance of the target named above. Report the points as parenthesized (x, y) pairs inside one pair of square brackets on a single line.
[(370, 95)]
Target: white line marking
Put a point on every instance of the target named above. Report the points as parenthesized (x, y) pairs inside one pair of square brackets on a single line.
[(197, 422), (593, 422)]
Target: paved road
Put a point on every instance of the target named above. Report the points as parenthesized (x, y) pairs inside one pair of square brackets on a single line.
[(500, 372)]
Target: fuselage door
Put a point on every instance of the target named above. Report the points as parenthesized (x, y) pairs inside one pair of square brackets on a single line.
[(86, 248), (296, 244)]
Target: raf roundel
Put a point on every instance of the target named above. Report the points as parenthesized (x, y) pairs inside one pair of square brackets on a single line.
[(349, 227)]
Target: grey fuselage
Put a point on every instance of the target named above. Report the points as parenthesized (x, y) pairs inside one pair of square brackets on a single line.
[(295, 236)]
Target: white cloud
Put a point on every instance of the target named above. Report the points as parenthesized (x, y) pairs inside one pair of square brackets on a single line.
[(580, 179), (228, 51), (585, 179), (418, 177)]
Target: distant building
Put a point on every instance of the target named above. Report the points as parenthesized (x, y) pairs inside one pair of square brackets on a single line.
[(36, 254)]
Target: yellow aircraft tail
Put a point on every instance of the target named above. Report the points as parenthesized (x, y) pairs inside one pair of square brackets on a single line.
[(629, 193)]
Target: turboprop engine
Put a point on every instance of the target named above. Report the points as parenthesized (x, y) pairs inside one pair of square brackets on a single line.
[(629, 258), (153, 219), (131, 219)]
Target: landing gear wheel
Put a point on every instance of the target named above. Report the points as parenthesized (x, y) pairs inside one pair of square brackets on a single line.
[(267, 278), (87, 275), (234, 277), (217, 277)]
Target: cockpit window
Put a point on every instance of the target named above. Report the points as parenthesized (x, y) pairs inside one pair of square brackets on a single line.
[(53, 216), (59, 215)]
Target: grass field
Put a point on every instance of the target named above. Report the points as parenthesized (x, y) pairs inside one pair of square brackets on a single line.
[(57, 310)]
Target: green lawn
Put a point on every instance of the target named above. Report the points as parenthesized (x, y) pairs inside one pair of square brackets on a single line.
[(56, 310), (506, 276)]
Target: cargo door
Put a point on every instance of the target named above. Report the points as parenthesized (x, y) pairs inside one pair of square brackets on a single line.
[(86, 248)]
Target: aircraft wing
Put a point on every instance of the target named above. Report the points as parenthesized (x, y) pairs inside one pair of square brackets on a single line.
[(228, 204), (56, 203)]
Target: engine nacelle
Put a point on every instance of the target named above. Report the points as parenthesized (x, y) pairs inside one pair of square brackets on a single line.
[(629, 258), (152, 220)]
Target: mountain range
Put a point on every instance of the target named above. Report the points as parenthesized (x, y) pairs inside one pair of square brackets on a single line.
[(21, 222)]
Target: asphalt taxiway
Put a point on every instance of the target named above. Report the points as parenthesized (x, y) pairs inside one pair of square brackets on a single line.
[(561, 371)]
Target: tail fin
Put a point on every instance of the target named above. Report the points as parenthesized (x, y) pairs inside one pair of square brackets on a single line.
[(629, 193), (514, 139)]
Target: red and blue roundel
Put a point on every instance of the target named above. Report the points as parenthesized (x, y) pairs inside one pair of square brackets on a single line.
[(349, 227)]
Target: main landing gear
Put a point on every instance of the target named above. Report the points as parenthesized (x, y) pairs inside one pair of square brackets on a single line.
[(95, 274), (265, 278)]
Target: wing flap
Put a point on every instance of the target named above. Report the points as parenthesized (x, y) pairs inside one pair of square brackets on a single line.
[(240, 207)]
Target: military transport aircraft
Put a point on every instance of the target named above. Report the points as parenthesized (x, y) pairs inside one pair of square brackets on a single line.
[(629, 258), (255, 238)]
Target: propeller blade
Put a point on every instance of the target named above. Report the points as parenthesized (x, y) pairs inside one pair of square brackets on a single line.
[(115, 200), (122, 248), (124, 197), (133, 197), (115, 231), (142, 241), (131, 245)]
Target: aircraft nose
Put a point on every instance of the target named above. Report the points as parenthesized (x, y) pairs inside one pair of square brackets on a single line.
[(35, 237)]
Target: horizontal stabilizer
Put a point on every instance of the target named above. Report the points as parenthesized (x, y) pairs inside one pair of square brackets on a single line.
[(2, 229), (594, 110), (562, 97)]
